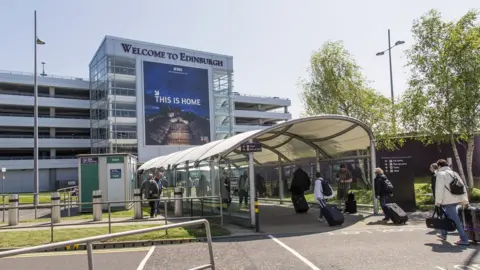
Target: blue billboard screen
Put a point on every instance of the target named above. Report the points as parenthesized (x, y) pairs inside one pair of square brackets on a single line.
[(177, 105)]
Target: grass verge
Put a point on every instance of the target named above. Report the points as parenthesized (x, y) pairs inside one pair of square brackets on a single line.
[(12, 239)]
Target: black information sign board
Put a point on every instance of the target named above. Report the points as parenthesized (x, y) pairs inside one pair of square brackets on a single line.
[(251, 147), (400, 172), (89, 160)]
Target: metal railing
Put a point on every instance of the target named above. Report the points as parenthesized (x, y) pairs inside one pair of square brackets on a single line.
[(68, 204), (46, 95), (282, 201), (89, 240), (49, 76)]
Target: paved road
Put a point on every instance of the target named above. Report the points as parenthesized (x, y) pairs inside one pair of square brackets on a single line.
[(382, 247), (27, 214)]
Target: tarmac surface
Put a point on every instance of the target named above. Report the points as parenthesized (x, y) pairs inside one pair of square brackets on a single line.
[(287, 241), (379, 247)]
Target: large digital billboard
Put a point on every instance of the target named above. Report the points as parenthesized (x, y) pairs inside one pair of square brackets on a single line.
[(176, 102)]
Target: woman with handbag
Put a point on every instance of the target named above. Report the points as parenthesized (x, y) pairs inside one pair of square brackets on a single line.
[(450, 191)]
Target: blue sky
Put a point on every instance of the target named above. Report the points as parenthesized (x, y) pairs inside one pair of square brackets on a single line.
[(271, 40)]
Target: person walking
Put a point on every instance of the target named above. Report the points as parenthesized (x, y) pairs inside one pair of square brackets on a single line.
[(320, 194), (149, 189), (158, 179), (381, 192), (243, 184), (433, 170), (449, 198)]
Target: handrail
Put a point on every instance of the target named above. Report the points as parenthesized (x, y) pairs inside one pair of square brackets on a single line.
[(89, 240)]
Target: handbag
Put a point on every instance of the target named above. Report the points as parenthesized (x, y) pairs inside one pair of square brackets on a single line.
[(440, 221)]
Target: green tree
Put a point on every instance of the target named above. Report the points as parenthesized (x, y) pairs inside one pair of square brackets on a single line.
[(443, 99), (336, 85)]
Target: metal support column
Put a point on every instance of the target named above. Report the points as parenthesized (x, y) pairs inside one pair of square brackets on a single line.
[(373, 159), (251, 176), (281, 184), (220, 189)]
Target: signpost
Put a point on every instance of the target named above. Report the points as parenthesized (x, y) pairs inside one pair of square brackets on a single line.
[(399, 171), (251, 147)]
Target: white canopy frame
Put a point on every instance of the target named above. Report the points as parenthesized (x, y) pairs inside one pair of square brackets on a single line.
[(323, 137)]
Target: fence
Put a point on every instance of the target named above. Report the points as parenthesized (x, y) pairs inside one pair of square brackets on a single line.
[(90, 240), (210, 201)]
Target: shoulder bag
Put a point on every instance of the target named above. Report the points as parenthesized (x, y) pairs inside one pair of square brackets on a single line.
[(440, 221)]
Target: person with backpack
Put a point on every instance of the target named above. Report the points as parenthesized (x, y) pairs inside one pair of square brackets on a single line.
[(322, 191), (450, 191), (149, 189), (383, 190)]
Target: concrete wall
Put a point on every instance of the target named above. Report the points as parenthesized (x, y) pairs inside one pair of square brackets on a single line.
[(20, 181)]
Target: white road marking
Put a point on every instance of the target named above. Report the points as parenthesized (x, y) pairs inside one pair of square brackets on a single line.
[(440, 268), (303, 259), (145, 260)]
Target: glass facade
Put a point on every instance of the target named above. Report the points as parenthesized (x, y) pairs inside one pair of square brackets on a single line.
[(113, 103), (222, 93)]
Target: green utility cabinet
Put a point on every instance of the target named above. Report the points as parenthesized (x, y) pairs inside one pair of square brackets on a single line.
[(113, 174)]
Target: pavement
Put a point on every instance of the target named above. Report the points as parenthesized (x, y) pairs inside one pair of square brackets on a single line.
[(287, 241), (380, 247)]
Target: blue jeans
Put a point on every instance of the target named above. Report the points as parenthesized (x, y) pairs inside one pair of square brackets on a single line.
[(158, 207), (322, 204), (451, 212), (383, 202)]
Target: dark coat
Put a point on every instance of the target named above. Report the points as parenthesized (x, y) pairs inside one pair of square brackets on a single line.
[(379, 185), (300, 182)]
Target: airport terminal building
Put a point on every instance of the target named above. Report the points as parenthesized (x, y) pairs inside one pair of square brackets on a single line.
[(141, 98)]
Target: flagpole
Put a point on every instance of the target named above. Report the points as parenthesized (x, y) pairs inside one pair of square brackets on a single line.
[(35, 117)]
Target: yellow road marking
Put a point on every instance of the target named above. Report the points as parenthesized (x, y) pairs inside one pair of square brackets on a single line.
[(80, 252)]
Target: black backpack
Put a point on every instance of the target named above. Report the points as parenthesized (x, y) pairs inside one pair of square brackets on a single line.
[(326, 188), (456, 186), (387, 186)]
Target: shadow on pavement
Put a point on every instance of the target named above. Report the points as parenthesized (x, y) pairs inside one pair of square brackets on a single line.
[(447, 247)]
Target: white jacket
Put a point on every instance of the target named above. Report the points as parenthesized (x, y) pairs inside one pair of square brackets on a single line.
[(318, 190), (442, 195)]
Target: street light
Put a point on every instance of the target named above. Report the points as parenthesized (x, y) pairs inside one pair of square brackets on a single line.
[(43, 74), (390, 47)]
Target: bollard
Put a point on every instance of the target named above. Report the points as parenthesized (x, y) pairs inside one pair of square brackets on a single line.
[(13, 210), (56, 216), (97, 206), (178, 195), (257, 222), (137, 205)]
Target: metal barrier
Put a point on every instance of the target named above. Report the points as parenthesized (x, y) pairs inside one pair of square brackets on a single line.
[(90, 240), (166, 218), (310, 202)]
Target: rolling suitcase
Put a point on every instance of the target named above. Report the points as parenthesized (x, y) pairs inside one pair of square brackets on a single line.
[(470, 217), (331, 213), (300, 204), (351, 204), (395, 213)]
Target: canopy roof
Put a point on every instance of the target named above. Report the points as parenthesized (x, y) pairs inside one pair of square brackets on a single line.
[(331, 135)]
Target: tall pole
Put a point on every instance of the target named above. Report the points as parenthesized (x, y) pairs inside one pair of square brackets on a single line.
[(35, 115), (391, 81)]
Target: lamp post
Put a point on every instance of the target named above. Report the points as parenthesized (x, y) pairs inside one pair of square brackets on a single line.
[(392, 96), (43, 74), (36, 41)]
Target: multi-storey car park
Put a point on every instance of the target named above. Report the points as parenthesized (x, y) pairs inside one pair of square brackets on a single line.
[(100, 115)]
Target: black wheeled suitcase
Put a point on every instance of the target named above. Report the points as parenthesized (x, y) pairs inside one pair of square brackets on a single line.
[(396, 213), (351, 204), (332, 214), (300, 204), (470, 217)]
